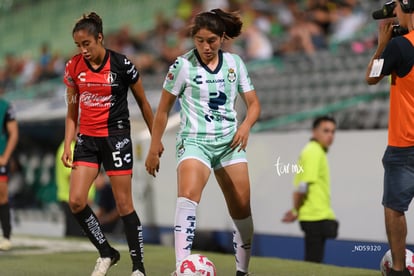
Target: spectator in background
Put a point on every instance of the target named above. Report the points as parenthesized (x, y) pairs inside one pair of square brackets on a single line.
[(258, 45), (105, 202), (62, 178), (9, 135), (347, 20), (304, 36), (312, 197)]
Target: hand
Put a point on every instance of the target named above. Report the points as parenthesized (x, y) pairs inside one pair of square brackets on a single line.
[(3, 160), (385, 31), (241, 138), (152, 163), (160, 150), (290, 216), (67, 159)]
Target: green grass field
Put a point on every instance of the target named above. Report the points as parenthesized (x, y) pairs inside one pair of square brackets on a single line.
[(61, 257)]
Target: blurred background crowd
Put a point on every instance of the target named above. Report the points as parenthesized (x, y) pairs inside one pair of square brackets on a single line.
[(272, 28)]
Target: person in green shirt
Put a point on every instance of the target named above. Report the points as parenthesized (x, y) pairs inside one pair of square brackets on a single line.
[(62, 178), (9, 136), (312, 195)]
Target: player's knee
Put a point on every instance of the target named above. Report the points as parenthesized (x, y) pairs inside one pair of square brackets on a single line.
[(124, 208), (241, 211), (76, 205)]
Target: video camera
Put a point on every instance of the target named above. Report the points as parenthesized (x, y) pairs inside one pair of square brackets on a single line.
[(387, 11)]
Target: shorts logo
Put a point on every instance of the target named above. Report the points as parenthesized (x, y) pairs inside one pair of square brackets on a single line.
[(79, 141), (121, 144), (181, 150)]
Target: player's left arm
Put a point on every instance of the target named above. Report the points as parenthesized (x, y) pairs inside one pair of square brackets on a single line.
[(13, 137), (252, 115), (139, 94), (298, 198)]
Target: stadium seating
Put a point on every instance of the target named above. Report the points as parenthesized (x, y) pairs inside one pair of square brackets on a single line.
[(52, 21), (297, 83)]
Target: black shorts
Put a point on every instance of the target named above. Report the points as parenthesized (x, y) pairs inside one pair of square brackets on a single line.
[(113, 152)]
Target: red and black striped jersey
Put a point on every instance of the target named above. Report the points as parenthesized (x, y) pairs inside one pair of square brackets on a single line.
[(103, 93)]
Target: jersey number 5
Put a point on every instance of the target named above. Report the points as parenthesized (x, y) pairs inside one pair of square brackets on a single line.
[(118, 160)]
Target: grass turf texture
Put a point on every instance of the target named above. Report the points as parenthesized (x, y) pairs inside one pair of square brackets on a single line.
[(159, 261)]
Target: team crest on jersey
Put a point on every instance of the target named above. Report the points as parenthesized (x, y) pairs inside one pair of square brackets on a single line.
[(231, 76), (110, 77)]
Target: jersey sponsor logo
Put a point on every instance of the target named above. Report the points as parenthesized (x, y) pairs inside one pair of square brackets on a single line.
[(217, 99), (121, 144), (135, 74), (197, 79), (82, 76), (130, 70), (93, 100), (215, 81)]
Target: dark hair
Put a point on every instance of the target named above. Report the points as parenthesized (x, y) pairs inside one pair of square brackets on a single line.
[(218, 22), (324, 118), (91, 23)]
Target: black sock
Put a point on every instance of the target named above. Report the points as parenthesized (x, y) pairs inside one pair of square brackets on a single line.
[(5, 220), (90, 224), (133, 232)]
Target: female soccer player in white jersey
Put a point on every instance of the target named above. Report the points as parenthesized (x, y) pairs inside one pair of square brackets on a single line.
[(207, 81)]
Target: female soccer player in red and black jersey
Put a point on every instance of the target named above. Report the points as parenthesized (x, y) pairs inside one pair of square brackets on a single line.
[(98, 81)]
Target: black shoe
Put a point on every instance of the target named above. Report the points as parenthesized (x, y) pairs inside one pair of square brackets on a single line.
[(405, 272), (239, 273)]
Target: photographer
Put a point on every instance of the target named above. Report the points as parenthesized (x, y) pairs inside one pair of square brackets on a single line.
[(395, 56)]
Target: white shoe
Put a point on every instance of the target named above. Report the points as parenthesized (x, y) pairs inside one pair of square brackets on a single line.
[(5, 245), (103, 264), (137, 273)]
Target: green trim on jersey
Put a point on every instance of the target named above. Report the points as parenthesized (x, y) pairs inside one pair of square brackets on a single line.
[(317, 203), (207, 97), (4, 108)]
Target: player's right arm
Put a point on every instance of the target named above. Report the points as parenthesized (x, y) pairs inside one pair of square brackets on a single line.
[(72, 101), (152, 161)]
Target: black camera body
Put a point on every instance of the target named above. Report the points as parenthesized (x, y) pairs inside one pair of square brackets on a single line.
[(398, 30), (387, 11)]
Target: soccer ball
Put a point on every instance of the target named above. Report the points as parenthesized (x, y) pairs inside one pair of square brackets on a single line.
[(196, 265), (386, 262)]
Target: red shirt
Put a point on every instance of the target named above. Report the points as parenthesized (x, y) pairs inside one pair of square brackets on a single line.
[(102, 93)]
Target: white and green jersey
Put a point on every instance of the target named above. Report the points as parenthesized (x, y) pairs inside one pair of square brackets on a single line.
[(207, 97)]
